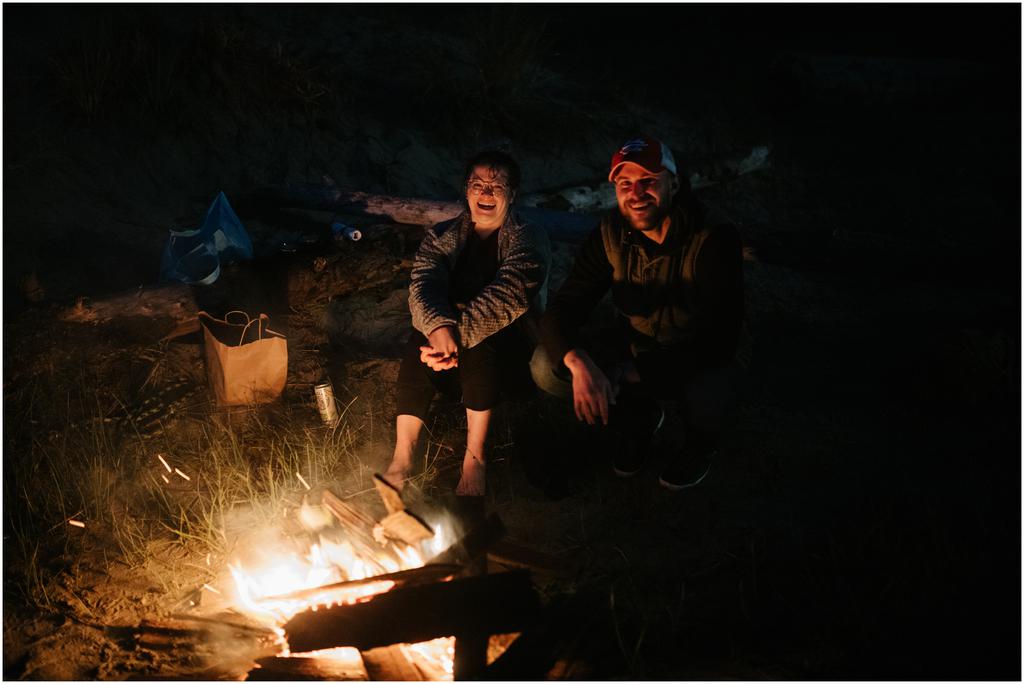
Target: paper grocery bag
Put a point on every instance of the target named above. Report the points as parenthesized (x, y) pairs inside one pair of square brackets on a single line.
[(246, 362)]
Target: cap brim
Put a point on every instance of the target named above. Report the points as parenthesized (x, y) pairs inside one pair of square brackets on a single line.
[(611, 174)]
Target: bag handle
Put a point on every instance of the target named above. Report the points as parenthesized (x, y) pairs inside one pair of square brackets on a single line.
[(236, 311), (246, 329)]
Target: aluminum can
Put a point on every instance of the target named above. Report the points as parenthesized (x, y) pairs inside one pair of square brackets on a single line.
[(325, 402)]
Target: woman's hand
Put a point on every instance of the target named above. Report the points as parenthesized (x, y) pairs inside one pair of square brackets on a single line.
[(436, 361), (443, 341)]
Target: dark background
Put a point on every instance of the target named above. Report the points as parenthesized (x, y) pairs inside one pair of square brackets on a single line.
[(883, 415)]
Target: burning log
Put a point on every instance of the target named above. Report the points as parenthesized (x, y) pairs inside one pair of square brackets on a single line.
[(488, 604), (357, 524), (390, 664), (556, 647), (474, 544), (403, 578), (310, 669)]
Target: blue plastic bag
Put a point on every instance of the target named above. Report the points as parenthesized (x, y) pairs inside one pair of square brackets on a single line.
[(195, 256)]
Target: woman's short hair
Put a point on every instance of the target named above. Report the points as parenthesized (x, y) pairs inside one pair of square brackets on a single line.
[(496, 160)]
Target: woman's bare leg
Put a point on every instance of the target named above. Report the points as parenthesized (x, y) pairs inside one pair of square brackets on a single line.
[(474, 465), (407, 435)]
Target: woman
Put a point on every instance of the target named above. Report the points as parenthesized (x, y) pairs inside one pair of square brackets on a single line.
[(478, 282)]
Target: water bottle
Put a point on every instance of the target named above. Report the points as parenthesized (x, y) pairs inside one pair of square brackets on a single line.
[(342, 232)]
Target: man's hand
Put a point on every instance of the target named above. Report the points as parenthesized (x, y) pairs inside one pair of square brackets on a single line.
[(437, 361), (443, 341), (592, 392)]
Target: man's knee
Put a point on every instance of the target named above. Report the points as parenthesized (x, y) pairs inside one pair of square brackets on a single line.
[(549, 375), (711, 397)]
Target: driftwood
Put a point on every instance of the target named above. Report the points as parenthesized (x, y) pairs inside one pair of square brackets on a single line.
[(600, 196), (488, 604), (310, 669), (564, 226), (565, 213), (170, 304), (390, 664)]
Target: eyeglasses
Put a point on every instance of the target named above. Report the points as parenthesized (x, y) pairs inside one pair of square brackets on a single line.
[(496, 189)]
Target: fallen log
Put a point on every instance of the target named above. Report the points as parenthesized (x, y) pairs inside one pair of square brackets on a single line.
[(403, 578), (561, 226), (172, 304), (600, 195), (336, 668), (390, 664), (488, 604)]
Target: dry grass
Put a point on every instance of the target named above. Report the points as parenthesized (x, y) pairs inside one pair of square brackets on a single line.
[(66, 458)]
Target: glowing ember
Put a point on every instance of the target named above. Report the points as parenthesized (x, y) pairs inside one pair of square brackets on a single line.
[(438, 654), (160, 456)]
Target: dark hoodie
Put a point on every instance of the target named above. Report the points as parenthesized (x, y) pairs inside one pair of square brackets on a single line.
[(684, 295)]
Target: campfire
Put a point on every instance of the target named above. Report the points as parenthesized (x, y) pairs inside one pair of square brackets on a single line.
[(392, 599)]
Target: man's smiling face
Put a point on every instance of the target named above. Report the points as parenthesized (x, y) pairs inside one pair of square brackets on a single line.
[(488, 196), (644, 198)]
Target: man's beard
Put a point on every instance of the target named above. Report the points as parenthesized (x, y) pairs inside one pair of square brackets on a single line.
[(648, 222)]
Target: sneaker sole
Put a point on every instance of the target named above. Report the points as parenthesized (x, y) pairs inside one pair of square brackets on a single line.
[(626, 473), (678, 488)]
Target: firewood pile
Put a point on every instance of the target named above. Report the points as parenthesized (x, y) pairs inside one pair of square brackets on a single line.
[(470, 612)]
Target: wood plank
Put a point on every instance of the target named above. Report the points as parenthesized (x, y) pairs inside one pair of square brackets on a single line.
[(342, 665), (403, 578), (561, 645), (348, 515), (489, 604), (390, 664), (406, 527), (391, 497), (473, 544), (358, 525)]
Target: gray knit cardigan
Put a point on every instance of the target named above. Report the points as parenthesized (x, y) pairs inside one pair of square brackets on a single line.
[(519, 286)]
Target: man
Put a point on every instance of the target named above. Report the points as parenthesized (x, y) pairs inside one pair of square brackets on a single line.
[(677, 287)]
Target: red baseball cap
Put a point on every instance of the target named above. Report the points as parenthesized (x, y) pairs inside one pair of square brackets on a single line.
[(644, 150)]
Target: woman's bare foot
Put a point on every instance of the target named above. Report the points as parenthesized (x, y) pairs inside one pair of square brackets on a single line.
[(474, 477)]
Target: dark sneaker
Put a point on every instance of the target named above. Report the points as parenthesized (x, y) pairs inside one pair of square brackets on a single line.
[(686, 470), (628, 456)]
